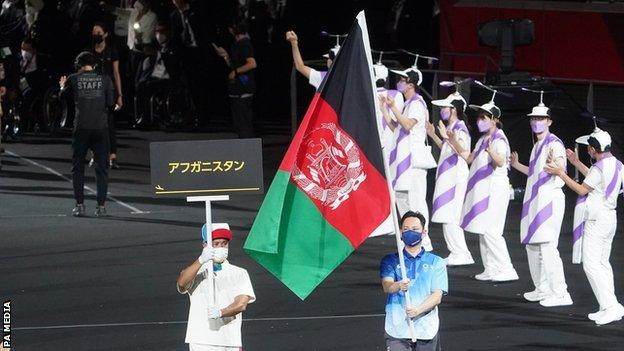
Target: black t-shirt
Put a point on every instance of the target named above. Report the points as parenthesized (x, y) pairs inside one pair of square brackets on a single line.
[(105, 59), (243, 83), (93, 96)]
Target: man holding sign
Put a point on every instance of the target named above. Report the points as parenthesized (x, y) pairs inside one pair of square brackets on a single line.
[(215, 314)]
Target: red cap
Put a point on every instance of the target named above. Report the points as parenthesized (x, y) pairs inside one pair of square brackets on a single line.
[(221, 234)]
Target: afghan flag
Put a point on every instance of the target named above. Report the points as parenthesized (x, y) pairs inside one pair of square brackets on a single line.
[(330, 192)]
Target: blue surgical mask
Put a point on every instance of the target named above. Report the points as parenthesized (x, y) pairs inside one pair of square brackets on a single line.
[(411, 237)]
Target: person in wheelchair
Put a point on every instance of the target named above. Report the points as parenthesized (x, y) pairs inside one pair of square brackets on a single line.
[(158, 72), (34, 79)]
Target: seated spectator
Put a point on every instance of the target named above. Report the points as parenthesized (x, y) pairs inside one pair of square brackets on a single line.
[(33, 76), (159, 71)]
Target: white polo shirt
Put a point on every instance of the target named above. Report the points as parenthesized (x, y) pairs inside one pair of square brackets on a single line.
[(230, 281)]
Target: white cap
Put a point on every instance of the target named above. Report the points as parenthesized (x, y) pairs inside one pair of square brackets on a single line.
[(334, 50), (381, 71), (406, 73), (489, 108), (603, 138), (448, 102), (540, 111)]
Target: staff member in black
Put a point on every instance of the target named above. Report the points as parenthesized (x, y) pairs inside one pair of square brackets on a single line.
[(93, 95), (241, 80)]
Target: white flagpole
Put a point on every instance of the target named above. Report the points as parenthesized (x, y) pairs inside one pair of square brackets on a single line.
[(361, 18), (209, 294)]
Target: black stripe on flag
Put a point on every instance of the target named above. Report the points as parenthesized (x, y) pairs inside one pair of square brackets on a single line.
[(348, 90)]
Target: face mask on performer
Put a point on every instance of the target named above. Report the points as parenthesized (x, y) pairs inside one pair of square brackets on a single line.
[(539, 124), (401, 86), (484, 123), (445, 113)]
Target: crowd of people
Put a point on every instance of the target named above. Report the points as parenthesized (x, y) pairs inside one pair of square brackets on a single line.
[(195, 51)]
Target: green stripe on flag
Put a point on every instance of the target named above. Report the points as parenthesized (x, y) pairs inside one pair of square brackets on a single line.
[(308, 247)]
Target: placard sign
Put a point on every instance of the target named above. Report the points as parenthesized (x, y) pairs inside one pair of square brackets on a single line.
[(206, 167)]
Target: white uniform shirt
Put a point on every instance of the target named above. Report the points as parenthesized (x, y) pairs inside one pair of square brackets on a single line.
[(230, 281), (316, 77), (417, 111), (596, 202), (501, 148)]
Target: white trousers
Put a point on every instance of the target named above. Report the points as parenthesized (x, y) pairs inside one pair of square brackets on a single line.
[(455, 240), (597, 240), (494, 254), (545, 263), (492, 244), (415, 199)]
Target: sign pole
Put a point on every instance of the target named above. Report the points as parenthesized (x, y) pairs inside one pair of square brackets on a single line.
[(210, 296)]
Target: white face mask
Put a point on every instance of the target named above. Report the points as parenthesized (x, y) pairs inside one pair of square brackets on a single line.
[(138, 5), (161, 38), (220, 254), (26, 55)]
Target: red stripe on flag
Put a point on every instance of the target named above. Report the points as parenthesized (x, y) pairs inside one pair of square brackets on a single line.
[(331, 169), (291, 154)]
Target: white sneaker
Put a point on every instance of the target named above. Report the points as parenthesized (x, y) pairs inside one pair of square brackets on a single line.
[(610, 315), (505, 276), (535, 295), (483, 276), (552, 301), (595, 315), (456, 260)]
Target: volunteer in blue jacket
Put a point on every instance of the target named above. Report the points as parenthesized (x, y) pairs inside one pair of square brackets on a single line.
[(426, 281)]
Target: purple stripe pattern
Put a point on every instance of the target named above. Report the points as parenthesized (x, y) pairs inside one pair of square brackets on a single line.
[(616, 173), (476, 210), (543, 178), (405, 164), (443, 199), (401, 168), (614, 180), (546, 212), (541, 217), (479, 175), (578, 230), (447, 164), (402, 135)]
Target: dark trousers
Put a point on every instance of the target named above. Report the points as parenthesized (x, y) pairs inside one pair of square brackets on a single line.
[(195, 73), (112, 133), (97, 141), (394, 344), (242, 115)]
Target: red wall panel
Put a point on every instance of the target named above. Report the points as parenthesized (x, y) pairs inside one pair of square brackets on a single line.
[(567, 44)]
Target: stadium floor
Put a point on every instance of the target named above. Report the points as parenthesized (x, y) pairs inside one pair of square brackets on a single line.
[(109, 284)]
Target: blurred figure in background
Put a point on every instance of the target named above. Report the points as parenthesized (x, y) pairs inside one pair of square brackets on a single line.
[(107, 63)]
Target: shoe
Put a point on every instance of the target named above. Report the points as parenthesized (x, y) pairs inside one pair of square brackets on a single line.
[(456, 260), (100, 211), (595, 315), (610, 315), (505, 276), (79, 210), (91, 162), (112, 163), (484, 276), (553, 301), (535, 295)]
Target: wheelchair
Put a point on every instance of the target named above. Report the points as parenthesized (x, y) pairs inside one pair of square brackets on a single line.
[(169, 107)]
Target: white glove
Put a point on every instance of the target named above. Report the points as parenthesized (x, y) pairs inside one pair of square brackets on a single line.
[(214, 312), (206, 255)]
